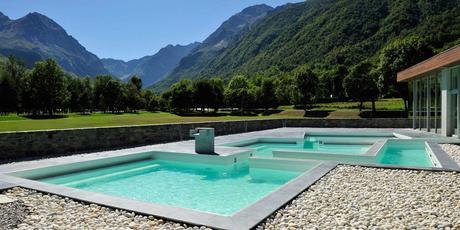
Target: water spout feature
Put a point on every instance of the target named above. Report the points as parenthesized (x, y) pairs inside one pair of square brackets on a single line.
[(204, 140)]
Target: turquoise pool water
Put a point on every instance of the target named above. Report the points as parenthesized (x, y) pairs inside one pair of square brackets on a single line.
[(408, 153), (352, 137), (405, 154), (264, 149), (203, 187)]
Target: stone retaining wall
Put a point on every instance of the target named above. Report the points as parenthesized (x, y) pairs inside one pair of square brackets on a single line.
[(15, 145)]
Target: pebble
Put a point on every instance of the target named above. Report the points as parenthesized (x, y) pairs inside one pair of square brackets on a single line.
[(12, 214), (42, 211)]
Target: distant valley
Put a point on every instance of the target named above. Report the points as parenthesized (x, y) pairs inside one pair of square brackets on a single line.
[(150, 68), (258, 40)]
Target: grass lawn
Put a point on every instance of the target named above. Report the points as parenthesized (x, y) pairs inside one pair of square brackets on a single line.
[(13, 122), (383, 104), (19, 123)]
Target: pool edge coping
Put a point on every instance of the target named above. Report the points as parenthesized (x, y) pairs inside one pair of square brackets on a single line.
[(446, 162), (245, 218)]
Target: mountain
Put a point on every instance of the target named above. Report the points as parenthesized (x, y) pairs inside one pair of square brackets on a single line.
[(324, 33), (150, 68), (35, 37), (330, 32), (229, 31)]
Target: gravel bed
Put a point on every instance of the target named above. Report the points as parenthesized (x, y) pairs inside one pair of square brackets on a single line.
[(12, 214), (359, 197), (55, 212), (453, 151)]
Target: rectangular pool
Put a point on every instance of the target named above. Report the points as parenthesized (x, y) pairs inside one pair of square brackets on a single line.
[(406, 153), (351, 150), (217, 189), (265, 149)]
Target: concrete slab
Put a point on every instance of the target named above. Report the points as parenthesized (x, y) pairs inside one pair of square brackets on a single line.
[(6, 185)]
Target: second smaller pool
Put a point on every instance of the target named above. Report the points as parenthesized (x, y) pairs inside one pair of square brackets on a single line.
[(391, 152), (265, 149), (405, 153)]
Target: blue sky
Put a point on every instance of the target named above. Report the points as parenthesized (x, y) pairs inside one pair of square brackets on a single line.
[(131, 29)]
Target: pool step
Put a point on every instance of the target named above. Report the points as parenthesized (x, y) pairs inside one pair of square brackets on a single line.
[(106, 176)]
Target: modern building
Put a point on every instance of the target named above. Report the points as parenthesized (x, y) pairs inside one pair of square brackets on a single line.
[(435, 93)]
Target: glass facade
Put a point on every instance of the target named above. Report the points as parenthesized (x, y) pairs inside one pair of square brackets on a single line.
[(435, 97), (455, 100)]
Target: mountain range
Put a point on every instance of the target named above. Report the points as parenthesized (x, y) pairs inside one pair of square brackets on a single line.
[(214, 44), (329, 32), (324, 33), (35, 37), (259, 39), (149, 68)]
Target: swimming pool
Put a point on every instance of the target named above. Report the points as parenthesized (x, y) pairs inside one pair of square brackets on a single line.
[(217, 189), (407, 153), (249, 178), (265, 149), (353, 149)]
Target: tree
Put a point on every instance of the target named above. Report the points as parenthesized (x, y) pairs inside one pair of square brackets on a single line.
[(361, 84), (12, 80), (305, 86), (48, 86), (267, 97), (153, 103), (132, 94), (136, 81), (182, 95), (112, 96), (86, 96), (80, 90), (100, 86), (336, 78), (149, 100), (284, 88), (397, 56), (218, 93), (237, 92), (8, 97), (203, 94), (165, 100)]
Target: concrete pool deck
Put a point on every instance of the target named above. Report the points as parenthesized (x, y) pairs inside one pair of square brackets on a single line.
[(246, 218), (188, 146)]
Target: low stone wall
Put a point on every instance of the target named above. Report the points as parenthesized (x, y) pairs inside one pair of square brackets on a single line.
[(15, 145), (351, 123)]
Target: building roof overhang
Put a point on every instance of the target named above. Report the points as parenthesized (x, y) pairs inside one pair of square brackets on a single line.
[(447, 58)]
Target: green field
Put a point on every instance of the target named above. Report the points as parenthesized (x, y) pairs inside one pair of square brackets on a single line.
[(22, 123)]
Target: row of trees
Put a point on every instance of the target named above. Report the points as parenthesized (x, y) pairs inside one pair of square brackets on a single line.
[(47, 89)]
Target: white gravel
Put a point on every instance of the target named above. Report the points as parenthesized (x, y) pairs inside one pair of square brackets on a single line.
[(453, 151), (12, 214), (54, 212)]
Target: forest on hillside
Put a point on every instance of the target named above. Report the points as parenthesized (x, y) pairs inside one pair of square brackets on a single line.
[(326, 34)]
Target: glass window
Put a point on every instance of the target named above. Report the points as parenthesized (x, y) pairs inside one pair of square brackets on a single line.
[(422, 103)]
